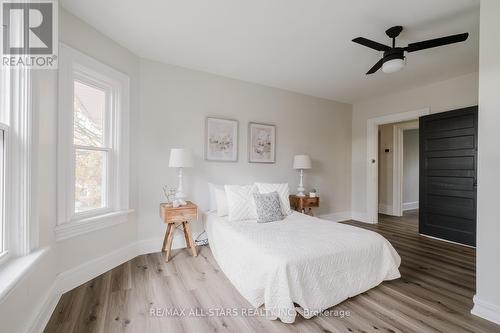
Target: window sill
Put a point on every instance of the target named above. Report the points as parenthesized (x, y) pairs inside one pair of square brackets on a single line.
[(15, 269), (83, 226)]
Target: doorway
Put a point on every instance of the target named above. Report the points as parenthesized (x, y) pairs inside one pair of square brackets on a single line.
[(372, 179), (398, 167), (410, 170), (447, 172)]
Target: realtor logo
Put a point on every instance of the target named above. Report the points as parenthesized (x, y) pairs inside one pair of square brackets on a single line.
[(29, 36)]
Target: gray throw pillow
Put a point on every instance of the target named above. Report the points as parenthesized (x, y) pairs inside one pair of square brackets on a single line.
[(268, 207)]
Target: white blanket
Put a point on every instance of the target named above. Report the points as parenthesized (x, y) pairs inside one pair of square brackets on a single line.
[(304, 260)]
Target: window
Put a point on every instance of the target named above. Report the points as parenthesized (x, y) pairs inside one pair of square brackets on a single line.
[(2, 188), (93, 144), (92, 147), (18, 230)]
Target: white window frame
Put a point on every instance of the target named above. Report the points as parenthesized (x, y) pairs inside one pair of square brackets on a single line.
[(4, 249), (16, 121), (74, 65)]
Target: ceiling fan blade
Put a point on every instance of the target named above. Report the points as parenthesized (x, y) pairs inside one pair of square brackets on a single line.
[(371, 44), (376, 67), (427, 44)]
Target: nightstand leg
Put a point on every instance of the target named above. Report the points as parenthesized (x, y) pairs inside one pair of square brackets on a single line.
[(163, 249), (170, 236), (185, 233), (189, 238)]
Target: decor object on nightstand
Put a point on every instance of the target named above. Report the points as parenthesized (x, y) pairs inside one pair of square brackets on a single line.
[(313, 193), (261, 143), (300, 204), (169, 193), (182, 215), (180, 158), (301, 162)]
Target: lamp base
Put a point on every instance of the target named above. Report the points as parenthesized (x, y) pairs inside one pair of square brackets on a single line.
[(300, 192), (301, 189), (180, 195), (178, 202), (180, 199)]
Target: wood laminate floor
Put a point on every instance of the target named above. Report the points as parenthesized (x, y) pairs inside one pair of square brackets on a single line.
[(433, 295)]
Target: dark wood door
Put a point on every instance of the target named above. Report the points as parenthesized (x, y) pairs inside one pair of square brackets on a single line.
[(448, 169)]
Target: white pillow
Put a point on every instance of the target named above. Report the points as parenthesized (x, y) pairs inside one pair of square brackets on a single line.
[(220, 200), (213, 201), (283, 192), (212, 205), (240, 202)]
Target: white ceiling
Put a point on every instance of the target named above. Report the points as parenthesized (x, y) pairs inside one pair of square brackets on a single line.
[(298, 45)]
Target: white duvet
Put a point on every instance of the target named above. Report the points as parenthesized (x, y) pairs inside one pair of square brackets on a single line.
[(304, 260)]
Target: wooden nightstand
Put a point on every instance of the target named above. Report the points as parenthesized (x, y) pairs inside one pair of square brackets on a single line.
[(182, 215), (300, 204)]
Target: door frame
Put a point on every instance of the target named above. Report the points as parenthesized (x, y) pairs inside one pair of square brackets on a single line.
[(372, 156), (397, 167)]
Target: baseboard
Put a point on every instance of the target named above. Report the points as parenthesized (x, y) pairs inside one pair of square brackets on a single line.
[(410, 205), (361, 217), (486, 310), (153, 245), (74, 277), (337, 217), (45, 309), (385, 209)]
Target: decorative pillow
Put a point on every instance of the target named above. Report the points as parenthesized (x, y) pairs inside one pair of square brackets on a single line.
[(220, 200), (283, 192), (240, 203), (268, 207), (212, 203)]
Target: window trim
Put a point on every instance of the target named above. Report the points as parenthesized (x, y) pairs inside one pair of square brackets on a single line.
[(4, 248), (17, 118), (74, 65)]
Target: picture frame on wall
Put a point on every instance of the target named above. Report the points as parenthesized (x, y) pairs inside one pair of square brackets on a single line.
[(261, 143), (221, 139)]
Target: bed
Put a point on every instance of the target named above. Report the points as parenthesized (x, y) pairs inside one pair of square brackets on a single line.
[(301, 264)]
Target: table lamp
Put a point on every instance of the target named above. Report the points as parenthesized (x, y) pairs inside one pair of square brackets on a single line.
[(180, 158), (301, 162)]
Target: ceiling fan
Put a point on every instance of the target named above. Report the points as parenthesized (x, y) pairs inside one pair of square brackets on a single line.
[(393, 59)]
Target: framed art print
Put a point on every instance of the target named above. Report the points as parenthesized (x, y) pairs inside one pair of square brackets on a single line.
[(221, 140), (262, 143)]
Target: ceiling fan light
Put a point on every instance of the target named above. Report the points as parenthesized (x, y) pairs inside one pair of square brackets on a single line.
[(393, 66)]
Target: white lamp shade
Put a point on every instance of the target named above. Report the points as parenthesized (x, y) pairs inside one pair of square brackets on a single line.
[(302, 162), (180, 158), (393, 66)]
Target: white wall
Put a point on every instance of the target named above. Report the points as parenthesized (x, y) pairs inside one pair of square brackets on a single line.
[(19, 307), (487, 300), (441, 96), (410, 167), (174, 104)]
